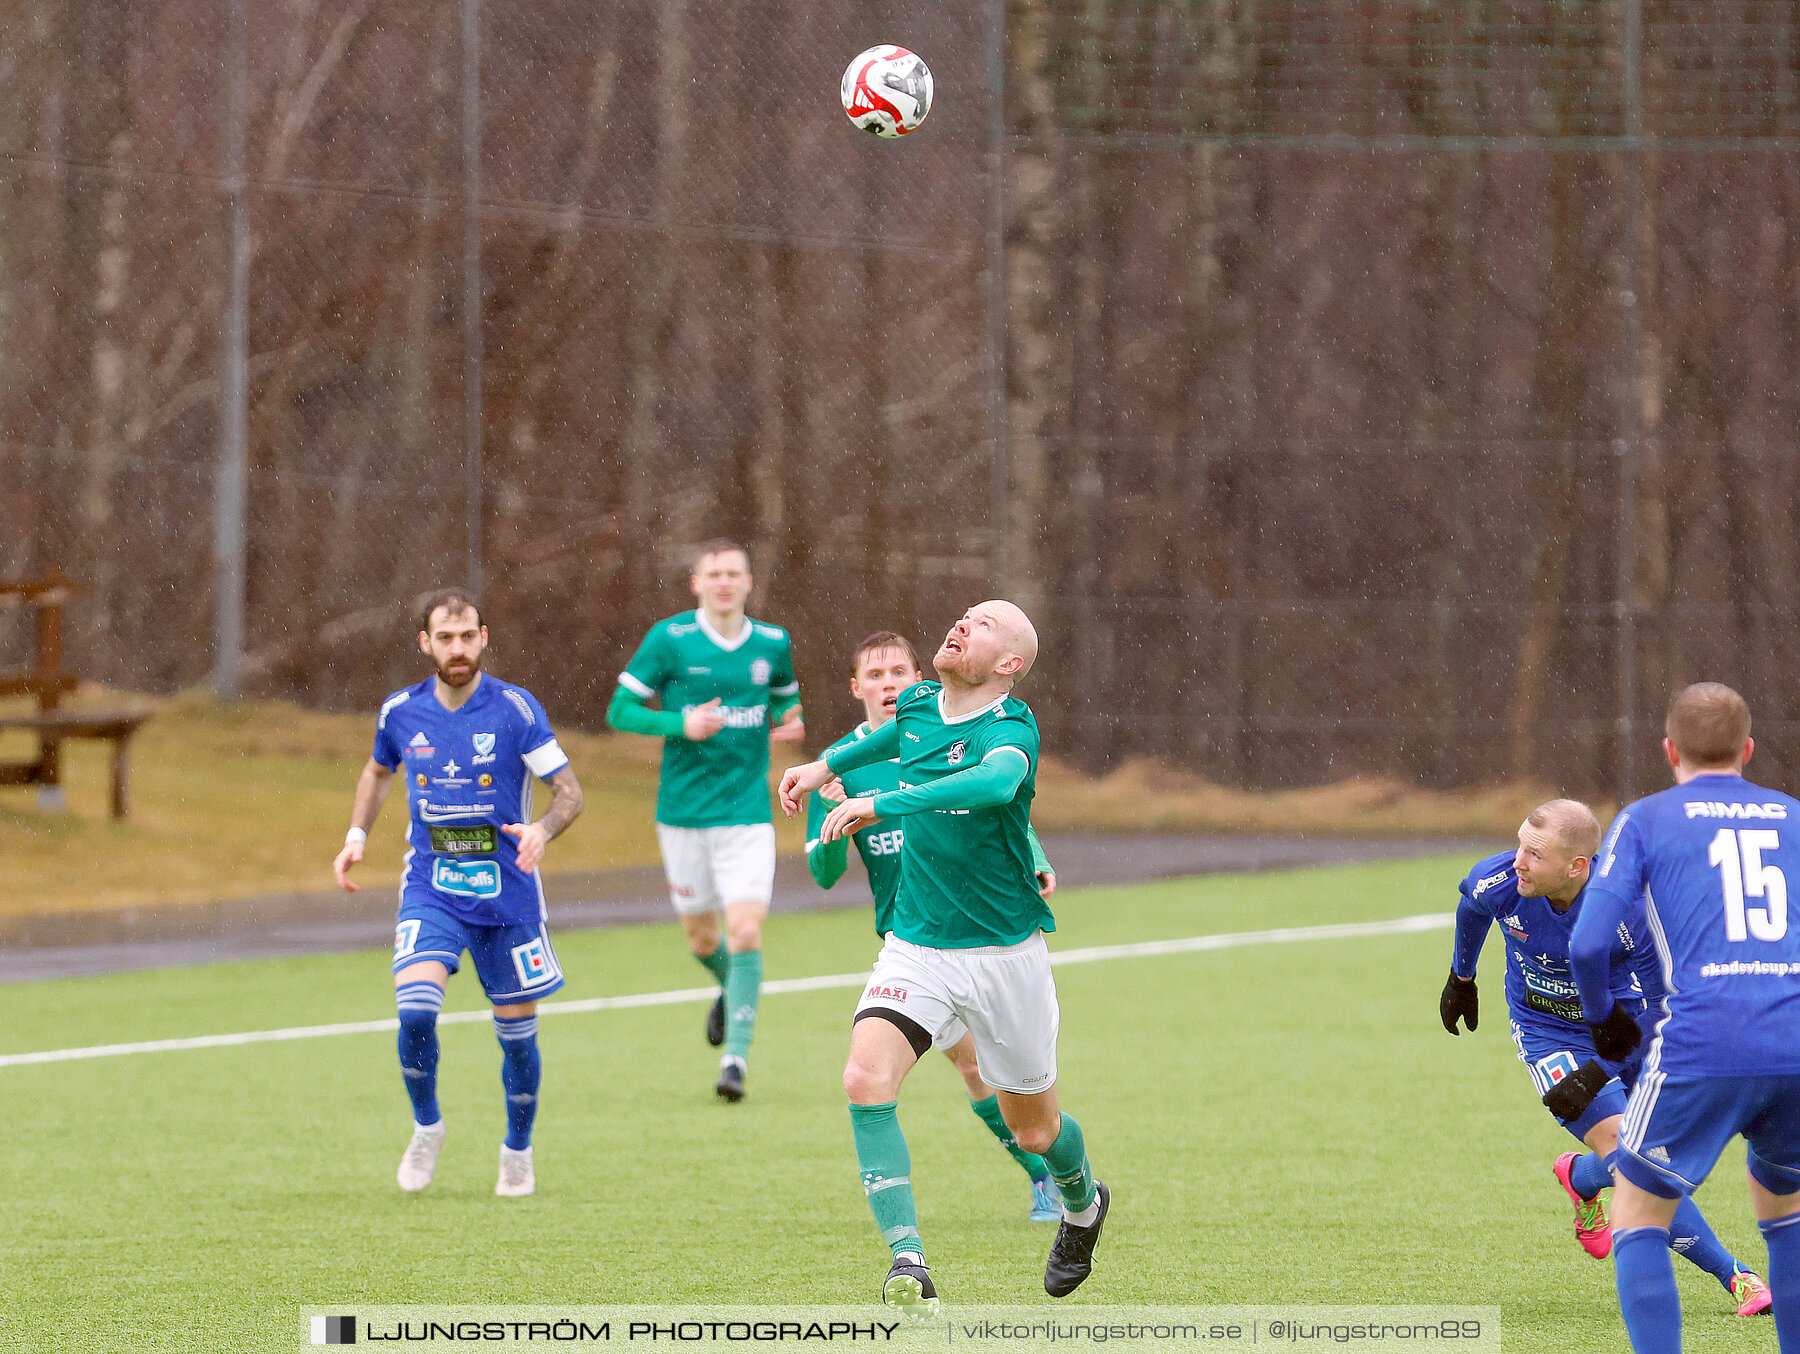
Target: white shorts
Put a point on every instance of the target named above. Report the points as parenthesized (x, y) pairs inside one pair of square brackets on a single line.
[(708, 867), (1005, 994)]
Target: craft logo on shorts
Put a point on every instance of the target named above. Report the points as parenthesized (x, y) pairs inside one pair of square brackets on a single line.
[(759, 671), (334, 1330), (956, 750)]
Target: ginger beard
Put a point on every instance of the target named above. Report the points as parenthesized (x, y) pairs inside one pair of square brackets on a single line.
[(984, 642)]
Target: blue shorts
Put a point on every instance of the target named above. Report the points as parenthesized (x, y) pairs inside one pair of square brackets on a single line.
[(1552, 1054), (1675, 1128), (515, 963)]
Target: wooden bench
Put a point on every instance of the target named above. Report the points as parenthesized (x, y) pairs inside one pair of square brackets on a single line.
[(49, 682)]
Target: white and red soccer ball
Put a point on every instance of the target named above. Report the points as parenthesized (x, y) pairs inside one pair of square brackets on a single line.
[(887, 91)]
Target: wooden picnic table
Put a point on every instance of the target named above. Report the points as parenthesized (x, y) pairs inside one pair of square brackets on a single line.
[(49, 681), (52, 726)]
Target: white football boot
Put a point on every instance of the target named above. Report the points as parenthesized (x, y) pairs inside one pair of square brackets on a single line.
[(420, 1161), (516, 1176)]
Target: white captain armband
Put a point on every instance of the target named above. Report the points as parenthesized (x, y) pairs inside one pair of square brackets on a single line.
[(547, 760)]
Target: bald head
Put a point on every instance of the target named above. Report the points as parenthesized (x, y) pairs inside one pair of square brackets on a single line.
[(1557, 842), (1570, 822), (993, 642), (1020, 634)]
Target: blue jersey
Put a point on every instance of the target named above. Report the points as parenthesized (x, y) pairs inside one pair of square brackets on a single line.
[(1708, 864), (1540, 986), (468, 771)]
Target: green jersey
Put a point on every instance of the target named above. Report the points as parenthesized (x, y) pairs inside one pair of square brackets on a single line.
[(683, 661), (967, 875), (879, 844)]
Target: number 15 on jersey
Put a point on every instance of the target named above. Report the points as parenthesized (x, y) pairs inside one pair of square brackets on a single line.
[(1737, 855)]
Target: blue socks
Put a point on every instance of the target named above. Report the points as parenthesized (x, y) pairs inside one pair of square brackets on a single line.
[(520, 1071), (520, 1067), (1590, 1174), (1691, 1236), (419, 1005), (1783, 1238), (1647, 1297)]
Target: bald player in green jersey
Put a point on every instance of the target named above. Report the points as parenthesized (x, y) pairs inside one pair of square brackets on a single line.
[(727, 689), (968, 937), (885, 665)]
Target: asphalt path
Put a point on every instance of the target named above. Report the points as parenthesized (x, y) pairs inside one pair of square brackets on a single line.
[(73, 944)]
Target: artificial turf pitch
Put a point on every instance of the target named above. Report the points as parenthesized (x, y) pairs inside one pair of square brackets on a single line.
[(1279, 1123)]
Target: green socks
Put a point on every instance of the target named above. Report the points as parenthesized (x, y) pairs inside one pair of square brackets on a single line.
[(743, 985), (887, 1175), (1068, 1163), (989, 1113), (718, 963)]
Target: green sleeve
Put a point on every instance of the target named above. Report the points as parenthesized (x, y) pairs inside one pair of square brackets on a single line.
[(783, 685), (826, 860), (629, 714), (879, 745), (1040, 863), (780, 705), (992, 781)]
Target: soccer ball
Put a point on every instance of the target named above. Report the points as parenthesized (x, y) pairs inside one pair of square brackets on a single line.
[(887, 91)]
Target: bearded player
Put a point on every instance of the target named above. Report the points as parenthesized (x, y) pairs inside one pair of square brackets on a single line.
[(468, 745), (968, 937), (885, 666)]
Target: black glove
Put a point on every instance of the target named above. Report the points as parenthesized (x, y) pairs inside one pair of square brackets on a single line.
[(1616, 1036), (1459, 999), (1569, 1098)]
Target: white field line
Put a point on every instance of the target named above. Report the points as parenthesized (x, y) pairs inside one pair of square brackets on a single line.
[(1090, 955)]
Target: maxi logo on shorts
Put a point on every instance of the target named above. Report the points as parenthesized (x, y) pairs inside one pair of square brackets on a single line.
[(891, 993)]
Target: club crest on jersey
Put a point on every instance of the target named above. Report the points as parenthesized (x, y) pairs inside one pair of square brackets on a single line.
[(957, 748), (484, 749), (759, 671)]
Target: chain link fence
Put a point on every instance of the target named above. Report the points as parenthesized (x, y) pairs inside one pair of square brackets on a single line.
[(1405, 387)]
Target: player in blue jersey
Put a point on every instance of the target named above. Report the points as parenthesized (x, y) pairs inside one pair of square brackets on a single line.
[(884, 666), (467, 746), (1707, 864), (1535, 894)]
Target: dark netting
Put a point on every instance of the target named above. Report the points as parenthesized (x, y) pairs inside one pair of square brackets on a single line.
[(1400, 387)]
